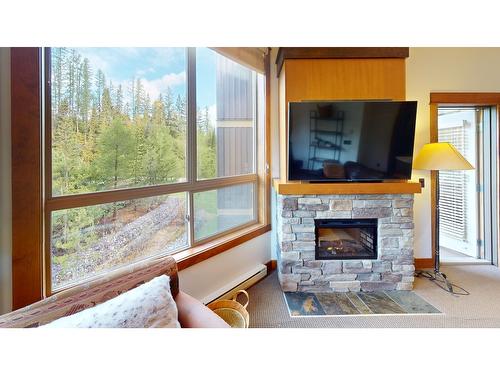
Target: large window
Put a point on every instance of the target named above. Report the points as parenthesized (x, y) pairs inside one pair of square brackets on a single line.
[(149, 151), (226, 113)]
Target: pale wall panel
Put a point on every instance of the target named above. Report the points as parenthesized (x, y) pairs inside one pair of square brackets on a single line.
[(443, 69)]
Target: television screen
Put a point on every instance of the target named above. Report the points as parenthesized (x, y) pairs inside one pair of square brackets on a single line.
[(351, 140)]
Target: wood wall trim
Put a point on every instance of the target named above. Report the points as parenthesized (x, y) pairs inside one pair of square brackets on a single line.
[(433, 136), (268, 145), (27, 197), (464, 98), (283, 125), (422, 263), (271, 266), (197, 254), (298, 188), (263, 148), (339, 53)]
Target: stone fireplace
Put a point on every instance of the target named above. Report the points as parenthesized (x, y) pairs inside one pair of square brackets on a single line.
[(342, 243)]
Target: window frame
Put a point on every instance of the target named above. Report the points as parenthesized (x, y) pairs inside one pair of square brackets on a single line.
[(449, 99), (26, 175), (260, 179)]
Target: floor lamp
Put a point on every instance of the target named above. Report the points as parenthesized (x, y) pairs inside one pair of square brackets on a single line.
[(439, 156)]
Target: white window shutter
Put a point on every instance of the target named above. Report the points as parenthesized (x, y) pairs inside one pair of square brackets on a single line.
[(453, 188)]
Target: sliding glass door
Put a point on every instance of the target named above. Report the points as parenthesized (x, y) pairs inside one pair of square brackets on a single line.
[(458, 201), (467, 197)]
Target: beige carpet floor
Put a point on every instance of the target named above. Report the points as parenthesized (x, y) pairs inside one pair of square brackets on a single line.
[(481, 308)]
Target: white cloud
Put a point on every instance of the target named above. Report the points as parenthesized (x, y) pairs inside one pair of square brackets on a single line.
[(122, 65), (156, 86), (145, 71), (97, 62)]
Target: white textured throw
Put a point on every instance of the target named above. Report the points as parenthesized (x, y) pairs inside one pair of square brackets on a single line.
[(148, 305)]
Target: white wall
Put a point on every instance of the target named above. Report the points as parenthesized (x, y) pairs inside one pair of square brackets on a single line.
[(206, 277), (443, 69), (5, 189)]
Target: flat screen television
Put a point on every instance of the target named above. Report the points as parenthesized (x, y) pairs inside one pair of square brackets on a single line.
[(351, 140)]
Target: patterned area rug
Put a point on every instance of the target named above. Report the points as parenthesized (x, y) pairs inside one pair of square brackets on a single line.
[(357, 303)]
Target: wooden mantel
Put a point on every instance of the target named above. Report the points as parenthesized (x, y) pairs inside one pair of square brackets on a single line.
[(302, 188)]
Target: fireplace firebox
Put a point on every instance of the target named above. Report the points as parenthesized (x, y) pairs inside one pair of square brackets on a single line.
[(346, 239)]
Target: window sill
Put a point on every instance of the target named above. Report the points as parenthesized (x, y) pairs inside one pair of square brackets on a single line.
[(197, 254)]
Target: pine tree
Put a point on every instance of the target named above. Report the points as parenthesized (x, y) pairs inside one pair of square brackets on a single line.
[(72, 65), (180, 107), (179, 125), (146, 107), (205, 144), (100, 82), (158, 117), (106, 107), (85, 103), (114, 145), (169, 104), (132, 106), (160, 162), (199, 120), (58, 58), (170, 113), (207, 119), (89, 148), (137, 155), (119, 99), (138, 99)]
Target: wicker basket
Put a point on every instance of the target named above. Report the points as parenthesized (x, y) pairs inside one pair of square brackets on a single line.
[(233, 312)]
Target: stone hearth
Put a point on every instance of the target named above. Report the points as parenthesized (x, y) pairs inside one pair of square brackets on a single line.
[(295, 230)]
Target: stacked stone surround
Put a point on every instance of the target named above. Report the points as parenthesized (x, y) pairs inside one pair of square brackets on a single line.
[(298, 269)]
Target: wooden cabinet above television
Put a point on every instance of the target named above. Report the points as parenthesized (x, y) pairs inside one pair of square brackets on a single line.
[(339, 53)]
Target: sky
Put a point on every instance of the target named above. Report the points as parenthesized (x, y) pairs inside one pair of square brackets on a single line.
[(158, 69)]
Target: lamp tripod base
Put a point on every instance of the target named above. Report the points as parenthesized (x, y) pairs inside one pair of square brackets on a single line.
[(436, 276), (440, 279)]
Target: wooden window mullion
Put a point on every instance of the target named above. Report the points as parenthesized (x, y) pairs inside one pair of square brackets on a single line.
[(27, 192)]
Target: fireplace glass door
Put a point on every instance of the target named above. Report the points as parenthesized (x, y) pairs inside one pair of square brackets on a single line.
[(346, 239)]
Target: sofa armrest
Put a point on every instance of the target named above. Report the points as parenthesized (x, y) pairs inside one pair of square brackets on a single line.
[(194, 314), (91, 293)]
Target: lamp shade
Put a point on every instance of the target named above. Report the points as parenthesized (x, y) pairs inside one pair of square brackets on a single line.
[(440, 156)]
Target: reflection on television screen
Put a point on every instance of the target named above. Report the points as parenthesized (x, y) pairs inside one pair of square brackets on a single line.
[(351, 140)]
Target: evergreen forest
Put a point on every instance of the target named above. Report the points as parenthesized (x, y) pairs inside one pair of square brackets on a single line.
[(104, 137)]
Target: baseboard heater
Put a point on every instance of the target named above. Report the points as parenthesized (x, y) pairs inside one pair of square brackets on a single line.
[(244, 281)]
